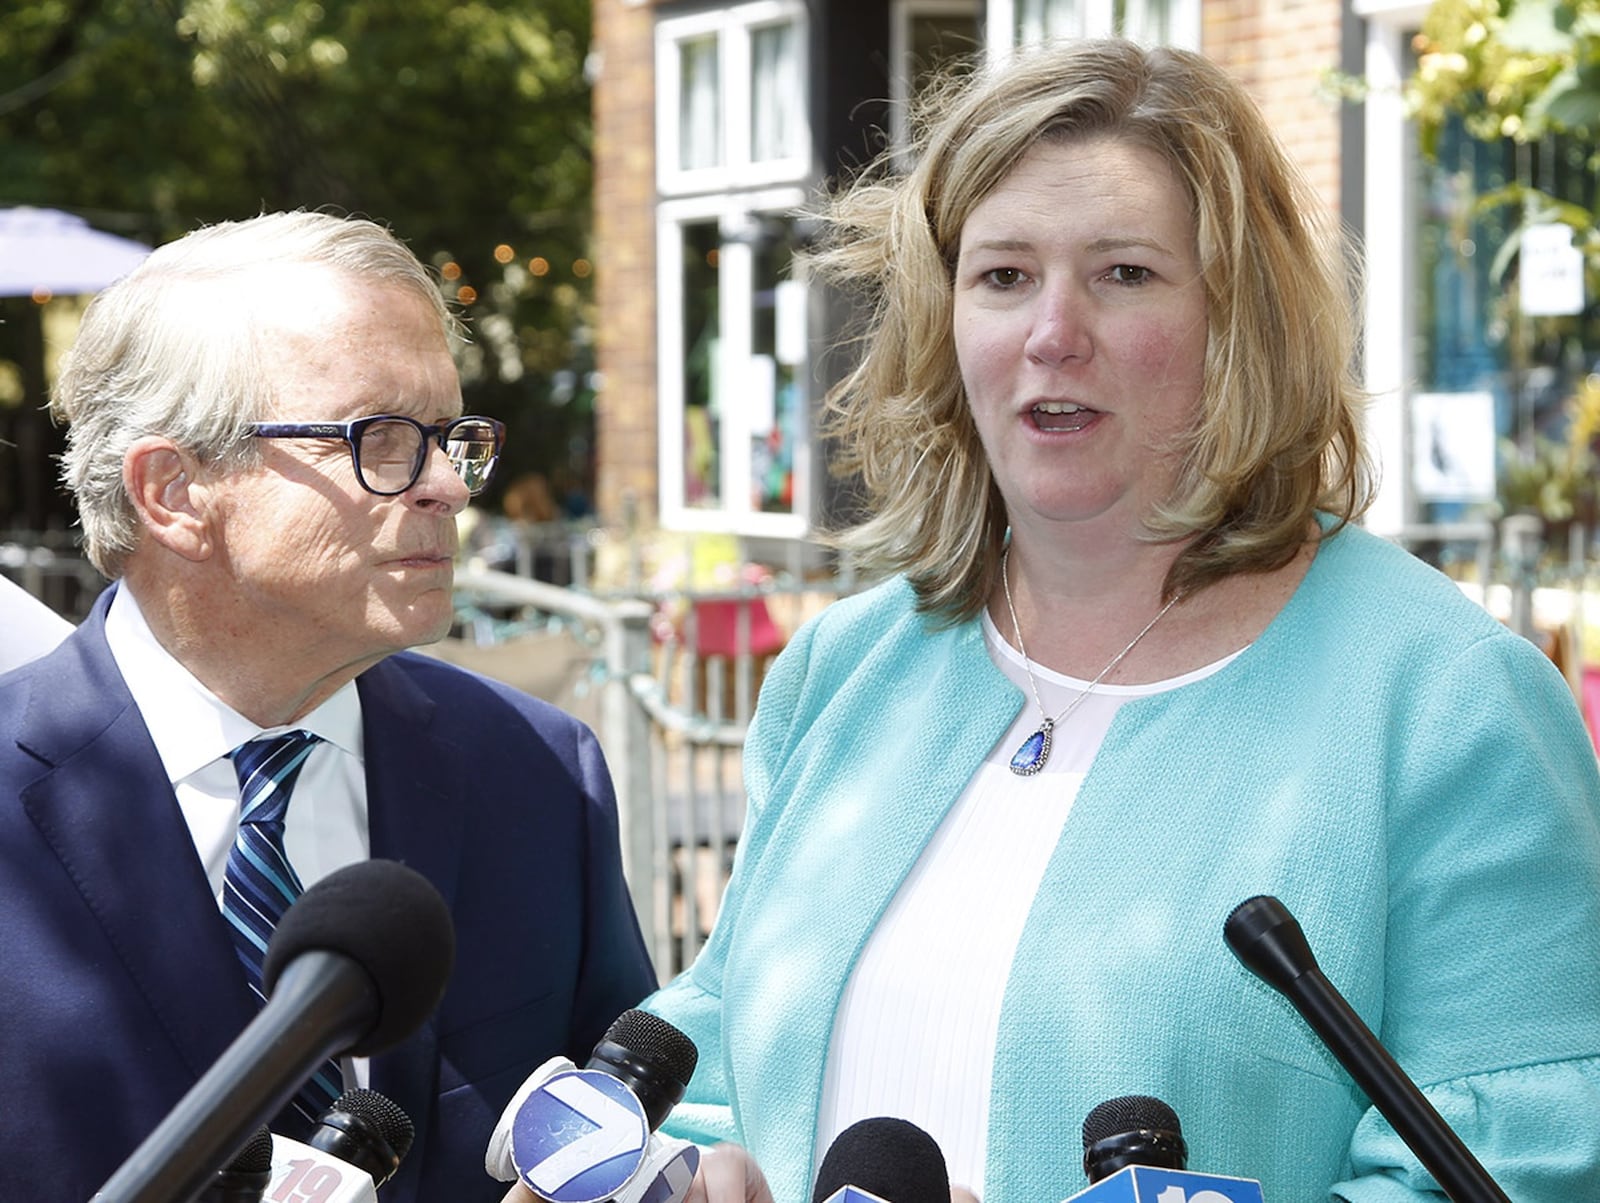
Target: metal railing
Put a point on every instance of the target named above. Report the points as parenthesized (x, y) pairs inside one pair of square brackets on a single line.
[(670, 702)]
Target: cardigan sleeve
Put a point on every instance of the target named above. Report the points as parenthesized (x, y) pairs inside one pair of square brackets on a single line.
[(1492, 954)]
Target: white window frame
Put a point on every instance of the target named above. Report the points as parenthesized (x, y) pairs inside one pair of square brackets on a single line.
[(901, 14), (1098, 20), (735, 284), (1389, 238), (732, 28)]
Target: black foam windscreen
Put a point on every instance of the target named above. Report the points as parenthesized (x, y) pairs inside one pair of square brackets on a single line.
[(888, 1157), (388, 919)]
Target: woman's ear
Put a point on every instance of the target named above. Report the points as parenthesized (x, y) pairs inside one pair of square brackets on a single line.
[(163, 482)]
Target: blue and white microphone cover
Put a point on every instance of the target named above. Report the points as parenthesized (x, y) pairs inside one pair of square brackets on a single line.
[(1147, 1184), (497, 1162), (579, 1137)]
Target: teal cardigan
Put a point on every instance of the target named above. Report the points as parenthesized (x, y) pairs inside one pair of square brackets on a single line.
[(1412, 779)]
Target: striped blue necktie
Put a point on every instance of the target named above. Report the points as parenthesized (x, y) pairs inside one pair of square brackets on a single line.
[(260, 883)]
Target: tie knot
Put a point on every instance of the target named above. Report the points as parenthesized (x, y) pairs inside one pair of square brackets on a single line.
[(267, 769)]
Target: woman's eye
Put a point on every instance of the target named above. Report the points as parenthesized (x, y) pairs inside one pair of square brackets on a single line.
[(1003, 277), (1128, 273)]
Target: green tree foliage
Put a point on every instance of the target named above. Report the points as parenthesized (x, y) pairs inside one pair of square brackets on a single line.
[(1528, 71), (461, 124), (1510, 68)]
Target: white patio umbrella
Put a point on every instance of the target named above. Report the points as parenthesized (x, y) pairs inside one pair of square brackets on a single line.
[(61, 253)]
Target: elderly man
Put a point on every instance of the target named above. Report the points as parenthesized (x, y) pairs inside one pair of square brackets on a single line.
[(268, 455)]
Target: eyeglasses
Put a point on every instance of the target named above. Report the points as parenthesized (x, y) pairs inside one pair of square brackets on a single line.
[(388, 450)]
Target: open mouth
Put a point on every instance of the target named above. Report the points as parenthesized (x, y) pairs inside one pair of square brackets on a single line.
[(1061, 416)]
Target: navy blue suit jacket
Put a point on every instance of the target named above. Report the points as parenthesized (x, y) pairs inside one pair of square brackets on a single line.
[(119, 985)]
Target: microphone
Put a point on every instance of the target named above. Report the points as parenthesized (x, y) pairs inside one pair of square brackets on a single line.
[(357, 963), (1268, 942), (637, 1073), (356, 1148), (1132, 1130), (368, 1130), (1134, 1152), (245, 1178), (882, 1160)]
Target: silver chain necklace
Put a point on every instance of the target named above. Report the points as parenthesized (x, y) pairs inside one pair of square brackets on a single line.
[(1035, 750)]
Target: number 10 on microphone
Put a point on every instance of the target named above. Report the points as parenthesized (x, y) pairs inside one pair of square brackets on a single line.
[(1146, 1184)]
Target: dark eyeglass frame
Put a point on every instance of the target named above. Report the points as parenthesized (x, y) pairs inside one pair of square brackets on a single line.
[(352, 431)]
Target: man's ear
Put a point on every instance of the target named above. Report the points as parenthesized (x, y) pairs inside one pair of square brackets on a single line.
[(163, 482)]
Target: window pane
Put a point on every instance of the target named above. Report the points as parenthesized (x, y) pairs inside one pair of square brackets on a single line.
[(1474, 332), (699, 104), (1145, 21), (1040, 20), (776, 92), (777, 348), (702, 471)]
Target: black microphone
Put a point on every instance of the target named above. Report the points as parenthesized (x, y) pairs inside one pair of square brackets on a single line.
[(886, 1158), (1134, 1152), (366, 1129), (245, 1178), (649, 1056), (652, 1062), (1268, 942), (1135, 1129), (355, 965)]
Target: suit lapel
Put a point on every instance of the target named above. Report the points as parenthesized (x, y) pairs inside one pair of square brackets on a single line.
[(414, 815), (106, 809)]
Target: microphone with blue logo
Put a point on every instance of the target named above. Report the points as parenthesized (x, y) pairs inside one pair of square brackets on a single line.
[(882, 1160), (1134, 1152), (588, 1135)]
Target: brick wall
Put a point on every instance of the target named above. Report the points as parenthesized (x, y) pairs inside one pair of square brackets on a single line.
[(625, 257), (1282, 50)]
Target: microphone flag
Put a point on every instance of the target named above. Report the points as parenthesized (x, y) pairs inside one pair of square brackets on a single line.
[(1148, 1184), (300, 1171), (854, 1194), (581, 1135)]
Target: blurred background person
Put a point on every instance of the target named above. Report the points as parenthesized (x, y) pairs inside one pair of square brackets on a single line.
[(268, 455), (1135, 664)]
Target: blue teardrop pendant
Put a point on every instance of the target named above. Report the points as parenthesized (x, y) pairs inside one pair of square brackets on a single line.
[(1035, 750)]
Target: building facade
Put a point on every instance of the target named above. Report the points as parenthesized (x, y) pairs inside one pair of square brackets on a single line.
[(714, 122)]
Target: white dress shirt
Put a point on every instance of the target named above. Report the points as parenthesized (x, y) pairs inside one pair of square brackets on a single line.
[(325, 827), (194, 730)]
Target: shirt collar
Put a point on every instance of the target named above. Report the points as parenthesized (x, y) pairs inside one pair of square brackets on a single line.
[(190, 725)]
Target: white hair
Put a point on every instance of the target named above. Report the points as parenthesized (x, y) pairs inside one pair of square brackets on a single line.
[(169, 350)]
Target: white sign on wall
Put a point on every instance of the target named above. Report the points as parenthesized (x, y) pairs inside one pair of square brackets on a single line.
[(1452, 446), (1551, 273)]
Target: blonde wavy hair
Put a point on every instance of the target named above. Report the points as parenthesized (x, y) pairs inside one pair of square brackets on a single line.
[(1277, 437), (170, 349)]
